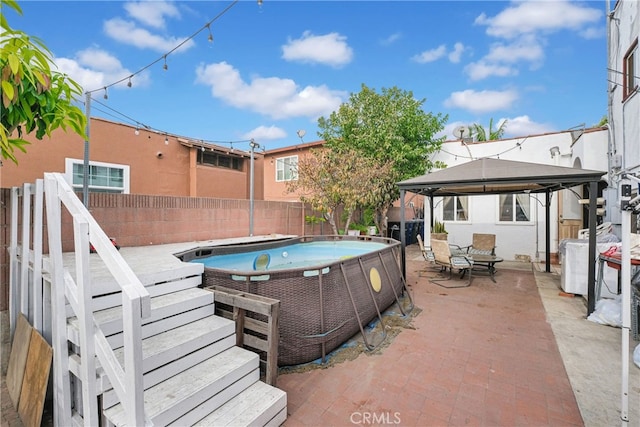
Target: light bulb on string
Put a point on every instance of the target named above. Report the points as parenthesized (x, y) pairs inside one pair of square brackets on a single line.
[(210, 38), (106, 95), (129, 82), (166, 140), (165, 66), (137, 131)]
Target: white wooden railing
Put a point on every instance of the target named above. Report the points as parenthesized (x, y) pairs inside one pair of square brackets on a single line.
[(45, 308)]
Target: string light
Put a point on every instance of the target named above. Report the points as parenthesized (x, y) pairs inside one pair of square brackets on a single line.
[(166, 140), (106, 95), (210, 38), (129, 83), (164, 57), (138, 125)]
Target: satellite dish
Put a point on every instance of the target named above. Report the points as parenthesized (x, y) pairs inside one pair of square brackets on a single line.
[(301, 133), (462, 132)]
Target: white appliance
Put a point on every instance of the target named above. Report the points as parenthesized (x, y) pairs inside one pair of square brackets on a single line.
[(575, 270)]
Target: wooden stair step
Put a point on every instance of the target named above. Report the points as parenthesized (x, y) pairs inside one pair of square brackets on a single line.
[(201, 388), (163, 306), (258, 405), (171, 352)]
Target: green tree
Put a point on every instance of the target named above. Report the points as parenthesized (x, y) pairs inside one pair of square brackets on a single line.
[(34, 96), (390, 127), (480, 133), (330, 181), (603, 121)]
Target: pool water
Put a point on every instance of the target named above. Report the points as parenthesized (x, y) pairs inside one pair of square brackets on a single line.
[(298, 255)]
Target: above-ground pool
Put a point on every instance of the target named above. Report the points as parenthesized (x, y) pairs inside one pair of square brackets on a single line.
[(329, 287)]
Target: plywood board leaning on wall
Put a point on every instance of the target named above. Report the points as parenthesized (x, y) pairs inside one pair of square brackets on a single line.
[(36, 378), (18, 358)]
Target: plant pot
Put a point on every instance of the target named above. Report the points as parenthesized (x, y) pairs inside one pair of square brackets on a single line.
[(439, 236)]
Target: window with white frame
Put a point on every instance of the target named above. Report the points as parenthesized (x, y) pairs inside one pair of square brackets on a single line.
[(631, 70), (455, 208), (103, 177), (514, 208), (287, 168)]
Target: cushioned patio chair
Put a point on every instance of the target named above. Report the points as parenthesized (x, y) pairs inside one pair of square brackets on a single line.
[(481, 244), (449, 262), (427, 253)]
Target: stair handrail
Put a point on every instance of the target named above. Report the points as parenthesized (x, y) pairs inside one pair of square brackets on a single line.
[(136, 305)]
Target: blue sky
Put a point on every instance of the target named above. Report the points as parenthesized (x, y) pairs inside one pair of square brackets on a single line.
[(273, 69)]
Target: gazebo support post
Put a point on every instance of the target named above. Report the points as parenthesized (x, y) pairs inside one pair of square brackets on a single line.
[(591, 274), (547, 237), (403, 240)]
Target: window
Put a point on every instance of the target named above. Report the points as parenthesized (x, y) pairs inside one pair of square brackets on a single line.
[(287, 168), (515, 208), (219, 160), (631, 70), (455, 208), (103, 177)]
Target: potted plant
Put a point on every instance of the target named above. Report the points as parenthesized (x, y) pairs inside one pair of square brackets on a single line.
[(438, 231)]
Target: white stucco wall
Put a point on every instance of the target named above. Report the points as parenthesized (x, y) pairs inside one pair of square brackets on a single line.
[(515, 239), (624, 115)]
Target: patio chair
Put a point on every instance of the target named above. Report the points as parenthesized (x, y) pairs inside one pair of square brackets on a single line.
[(426, 253), (448, 262), (481, 244)]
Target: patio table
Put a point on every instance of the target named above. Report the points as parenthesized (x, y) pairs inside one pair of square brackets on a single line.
[(488, 261)]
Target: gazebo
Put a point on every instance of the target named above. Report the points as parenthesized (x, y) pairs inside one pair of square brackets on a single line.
[(497, 176)]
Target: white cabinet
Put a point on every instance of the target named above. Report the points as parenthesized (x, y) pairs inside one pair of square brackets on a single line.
[(575, 270)]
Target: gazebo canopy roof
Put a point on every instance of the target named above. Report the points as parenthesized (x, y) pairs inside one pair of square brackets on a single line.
[(496, 176)]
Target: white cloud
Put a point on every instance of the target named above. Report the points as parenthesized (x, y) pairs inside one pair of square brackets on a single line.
[(481, 70), (592, 33), (527, 17), (329, 49), (152, 13), (264, 133), (430, 55), (523, 49), (484, 101), (391, 39), (128, 33), (456, 54), (272, 96), (502, 58), (94, 68), (524, 126)]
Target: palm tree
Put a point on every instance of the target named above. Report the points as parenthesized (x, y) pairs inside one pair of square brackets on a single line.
[(480, 134)]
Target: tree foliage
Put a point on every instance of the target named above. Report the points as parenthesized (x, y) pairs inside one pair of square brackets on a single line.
[(387, 128), (481, 134), (34, 96), (330, 181)]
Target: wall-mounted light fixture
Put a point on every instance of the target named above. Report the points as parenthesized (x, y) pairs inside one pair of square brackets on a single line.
[(554, 151)]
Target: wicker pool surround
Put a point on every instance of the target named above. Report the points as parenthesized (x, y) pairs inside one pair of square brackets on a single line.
[(318, 311)]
